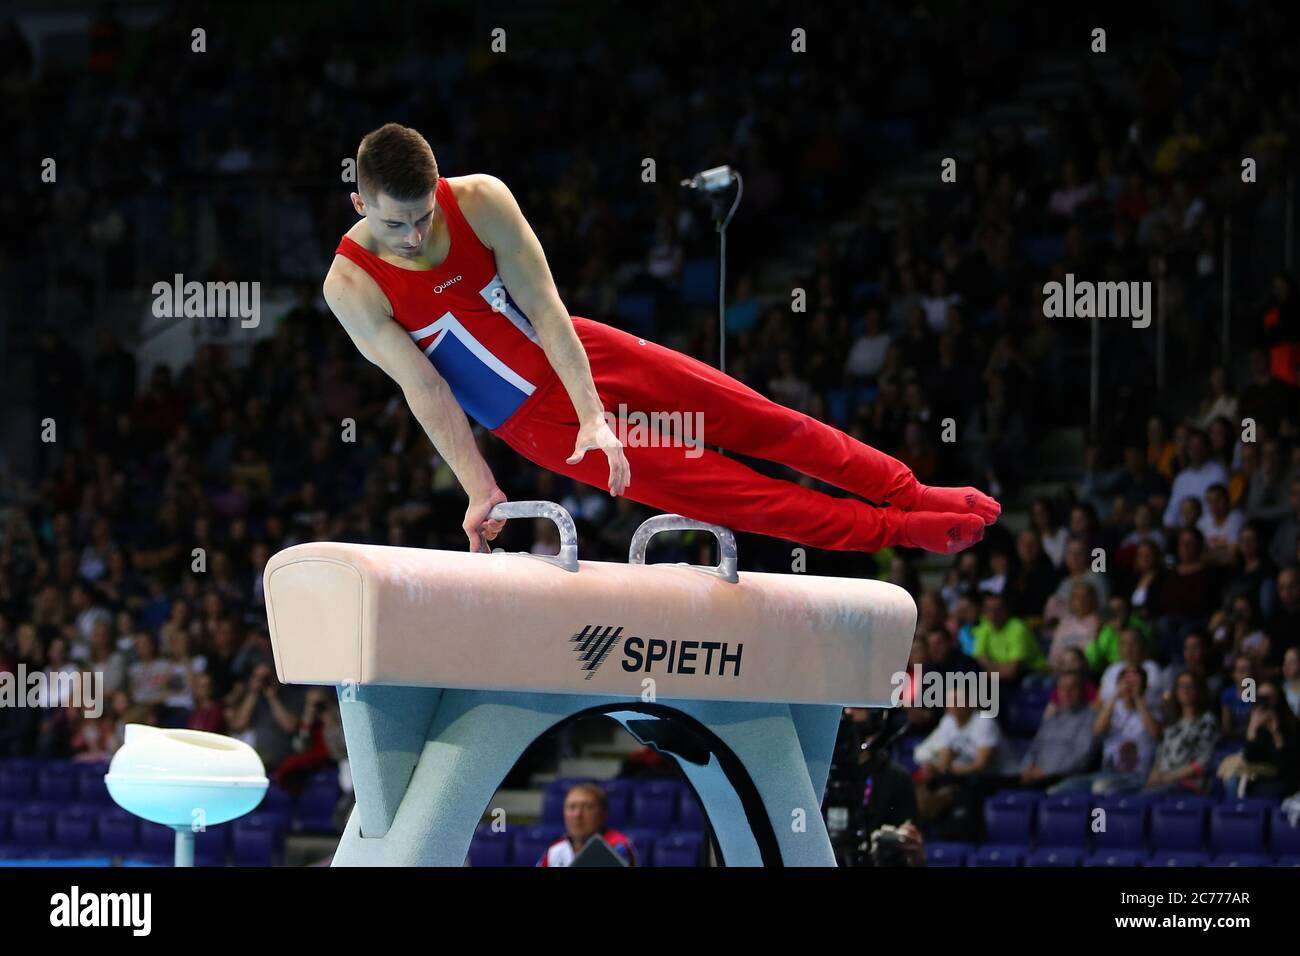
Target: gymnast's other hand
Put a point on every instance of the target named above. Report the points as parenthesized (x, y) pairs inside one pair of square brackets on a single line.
[(594, 434), (477, 526)]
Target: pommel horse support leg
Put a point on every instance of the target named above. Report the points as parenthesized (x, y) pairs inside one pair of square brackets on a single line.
[(450, 664)]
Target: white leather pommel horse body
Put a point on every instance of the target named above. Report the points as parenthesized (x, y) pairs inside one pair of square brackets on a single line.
[(450, 664)]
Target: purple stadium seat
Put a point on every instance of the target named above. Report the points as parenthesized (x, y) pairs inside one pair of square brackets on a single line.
[(1055, 856), (655, 806), (1285, 839), (156, 839), (690, 815), (1177, 858), (489, 847), (1009, 824), (678, 849), (317, 804), (253, 844), (993, 855), (74, 829), (1175, 827), (1062, 826), (1125, 828), (1242, 859), (1070, 800), (212, 846), (529, 843), (1184, 801), (17, 780), (57, 783), (1117, 858), (119, 831), (90, 784), (1237, 830), (1017, 798), (643, 843), (1026, 713), (32, 826), (947, 854), (1288, 861), (276, 800)]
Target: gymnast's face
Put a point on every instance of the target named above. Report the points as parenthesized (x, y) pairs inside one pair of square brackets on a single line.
[(401, 227), (583, 817)]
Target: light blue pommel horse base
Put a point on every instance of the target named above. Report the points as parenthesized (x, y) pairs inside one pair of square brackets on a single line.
[(449, 665)]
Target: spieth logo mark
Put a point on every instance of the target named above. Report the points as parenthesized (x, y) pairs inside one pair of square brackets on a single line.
[(594, 644), (442, 285)]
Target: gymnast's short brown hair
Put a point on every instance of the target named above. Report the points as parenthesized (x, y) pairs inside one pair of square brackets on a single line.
[(398, 161)]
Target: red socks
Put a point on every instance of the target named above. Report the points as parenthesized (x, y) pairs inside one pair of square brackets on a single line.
[(945, 533), (962, 501)]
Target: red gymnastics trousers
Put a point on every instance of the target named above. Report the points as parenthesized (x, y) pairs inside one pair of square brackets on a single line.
[(635, 375)]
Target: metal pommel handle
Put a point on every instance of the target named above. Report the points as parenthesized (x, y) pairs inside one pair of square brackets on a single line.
[(568, 556), (726, 568)]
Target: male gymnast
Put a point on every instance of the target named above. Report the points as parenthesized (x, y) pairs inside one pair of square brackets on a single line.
[(444, 286)]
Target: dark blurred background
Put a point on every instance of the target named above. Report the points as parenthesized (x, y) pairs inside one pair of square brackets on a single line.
[(924, 304)]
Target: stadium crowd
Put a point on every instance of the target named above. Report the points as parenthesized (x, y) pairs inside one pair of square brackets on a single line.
[(1154, 604)]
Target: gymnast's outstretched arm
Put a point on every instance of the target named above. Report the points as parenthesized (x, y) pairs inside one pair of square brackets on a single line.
[(364, 311)]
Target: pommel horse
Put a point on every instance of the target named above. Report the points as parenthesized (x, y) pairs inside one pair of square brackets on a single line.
[(450, 664)]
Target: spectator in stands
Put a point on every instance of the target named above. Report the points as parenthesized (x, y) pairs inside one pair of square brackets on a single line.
[(1129, 732), (1079, 625), (1078, 570), (1282, 331), (1032, 579), (1283, 624), (1196, 477), (1144, 529), (1051, 533), (1238, 698), (1267, 496), (1104, 650), (1282, 548), (1220, 400), (208, 714), (267, 714), (1064, 744), (867, 354), (958, 764), (105, 659), (1189, 594), (586, 815), (1269, 764), (147, 676), (1073, 662), (1162, 452), (1253, 576), (1133, 653), (944, 654), (1221, 527), (1149, 577), (1291, 678), (1183, 759), (1004, 644)]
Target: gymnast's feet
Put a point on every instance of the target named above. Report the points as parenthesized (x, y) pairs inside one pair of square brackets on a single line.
[(943, 532), (962, 501)]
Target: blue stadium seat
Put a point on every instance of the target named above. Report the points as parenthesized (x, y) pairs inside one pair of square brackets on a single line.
[(1117, 858), (155, 840), (253, 843), (690, 815), (1086, 800), (1055, 856), (643, 842), (276, 800), (32, 826), (529, 843), (1178, 858), (947, 854), (489, 848), (553, 806), (1177, 828), (74, 829), (1011, 824), (1062, 826), (17, 779), (315, 812), (90, 784), (678, 849), (1018, 798), (57, 783), (1237, 830), (1242, 859), (6, 823), (119, 831), (1288, 861), (1285, 839), (1125, 827), (1026, 713), (993, 855), (1184, 801), (212, 846), (655, 804)]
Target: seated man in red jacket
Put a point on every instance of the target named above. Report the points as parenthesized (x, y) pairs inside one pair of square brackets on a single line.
[(586, 809)]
